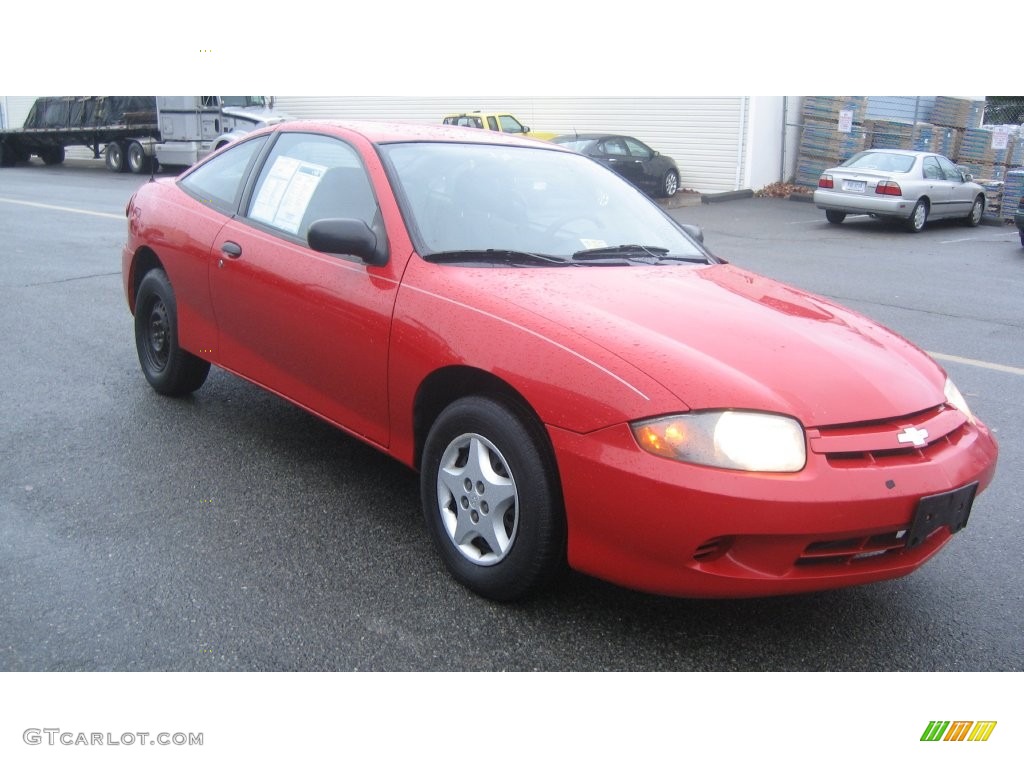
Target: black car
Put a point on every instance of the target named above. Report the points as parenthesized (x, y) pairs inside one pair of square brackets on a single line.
[(630, 158)]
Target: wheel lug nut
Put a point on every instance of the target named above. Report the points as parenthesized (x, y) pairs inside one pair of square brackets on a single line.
[(464, 502), (468, 484), (474, 516), (484, 508)]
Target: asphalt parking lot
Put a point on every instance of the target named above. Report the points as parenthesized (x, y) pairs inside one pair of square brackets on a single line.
[(233, 531)]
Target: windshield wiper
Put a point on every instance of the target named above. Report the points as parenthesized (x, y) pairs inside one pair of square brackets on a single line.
[(503, 255), (645, 254)]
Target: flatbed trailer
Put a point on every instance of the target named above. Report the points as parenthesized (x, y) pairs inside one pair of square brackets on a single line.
[(133, 133)]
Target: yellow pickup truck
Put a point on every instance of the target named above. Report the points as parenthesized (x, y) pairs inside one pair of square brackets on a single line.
[(495, 121)]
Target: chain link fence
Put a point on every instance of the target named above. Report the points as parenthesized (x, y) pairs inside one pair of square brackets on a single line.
[(1004, 110)]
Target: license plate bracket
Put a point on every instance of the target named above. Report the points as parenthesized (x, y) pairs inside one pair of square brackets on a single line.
[(951, 509)]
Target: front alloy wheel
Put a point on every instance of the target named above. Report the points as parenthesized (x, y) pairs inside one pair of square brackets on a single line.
[(477, 499), (670, 184), (977, 211), (491, 498)]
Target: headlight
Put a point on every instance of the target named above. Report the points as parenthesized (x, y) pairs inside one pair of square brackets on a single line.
[(954, 398), (755, 442)]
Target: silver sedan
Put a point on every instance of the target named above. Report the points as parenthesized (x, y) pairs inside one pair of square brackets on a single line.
[(914, 187)]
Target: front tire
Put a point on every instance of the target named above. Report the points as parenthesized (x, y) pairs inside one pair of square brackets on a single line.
[(835, 217), (669, 184), (918, 216), (168, 368), (491, 499), (977, 211)]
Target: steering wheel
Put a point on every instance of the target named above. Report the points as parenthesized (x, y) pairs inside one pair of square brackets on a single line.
[(559, 224)]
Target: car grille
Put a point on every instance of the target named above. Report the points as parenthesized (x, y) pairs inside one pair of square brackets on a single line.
[(878, 443), (845, 551)]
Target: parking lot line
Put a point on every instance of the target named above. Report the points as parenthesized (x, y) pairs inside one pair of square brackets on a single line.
[(62, 208), (978, 363)]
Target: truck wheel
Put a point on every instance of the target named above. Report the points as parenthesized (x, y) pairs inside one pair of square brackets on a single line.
[(7, 156), (52, 155), (114, 157), (138, 160)]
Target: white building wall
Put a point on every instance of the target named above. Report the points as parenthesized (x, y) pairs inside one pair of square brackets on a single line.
[(707, 136), (15, 109)]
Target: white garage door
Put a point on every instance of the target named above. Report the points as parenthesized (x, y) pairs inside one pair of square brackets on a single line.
[(703, 134)]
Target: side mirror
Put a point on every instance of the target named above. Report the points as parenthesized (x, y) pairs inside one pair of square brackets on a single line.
[(526, 129), (694, 231), (347, 237)]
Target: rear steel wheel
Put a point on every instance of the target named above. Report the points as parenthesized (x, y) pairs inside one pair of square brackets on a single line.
[(113, 156), (168, 368), (835, 217), (918, 217), (137, 159)]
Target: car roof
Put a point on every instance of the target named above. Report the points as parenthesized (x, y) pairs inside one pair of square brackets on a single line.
[(590, 136), (397, 131), (908, 152)]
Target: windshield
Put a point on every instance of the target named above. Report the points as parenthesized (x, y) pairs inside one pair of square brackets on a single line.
[(479, 197), (246, 102), (576, 145), (881, 161)]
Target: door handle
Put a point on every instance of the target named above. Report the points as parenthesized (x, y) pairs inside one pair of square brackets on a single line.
[(231, 250)]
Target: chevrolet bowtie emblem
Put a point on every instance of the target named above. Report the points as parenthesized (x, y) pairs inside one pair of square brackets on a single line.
[(914, 436)]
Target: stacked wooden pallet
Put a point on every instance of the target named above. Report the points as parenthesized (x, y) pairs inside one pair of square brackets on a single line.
[(822, 143), (928, 137), (889, 134), (951, 112), (1013, 191)]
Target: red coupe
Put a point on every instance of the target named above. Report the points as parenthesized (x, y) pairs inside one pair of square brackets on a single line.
[(576, 379)]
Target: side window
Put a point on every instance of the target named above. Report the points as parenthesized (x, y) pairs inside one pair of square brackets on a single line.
[(614, 147), (951, 171), (510, 125), (931, 168), (307, 177), (219, 181), (636, 149), (492, 123)]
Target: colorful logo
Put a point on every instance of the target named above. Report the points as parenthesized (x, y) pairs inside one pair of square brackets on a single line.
[(958, 730)]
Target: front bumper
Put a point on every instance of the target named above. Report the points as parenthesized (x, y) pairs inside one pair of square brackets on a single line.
[(880, 205), (666, 527)]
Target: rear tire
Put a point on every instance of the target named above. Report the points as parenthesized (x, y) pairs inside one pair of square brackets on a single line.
[(835, 217), (138, 160), (113, 155), (168, 368), (977, 211), (52, 155), (918, 217), (8, 156)]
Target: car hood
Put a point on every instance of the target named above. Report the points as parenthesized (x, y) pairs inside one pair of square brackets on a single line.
[(721, 337)]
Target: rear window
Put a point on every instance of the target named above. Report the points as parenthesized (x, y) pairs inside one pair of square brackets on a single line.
[(881, 161)]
